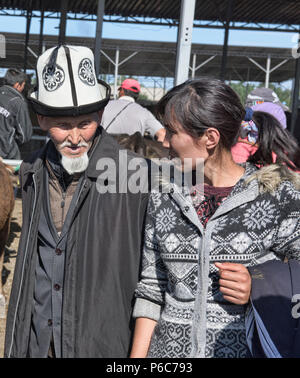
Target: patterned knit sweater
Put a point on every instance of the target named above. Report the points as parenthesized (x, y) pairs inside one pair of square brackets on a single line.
[(258, 221)]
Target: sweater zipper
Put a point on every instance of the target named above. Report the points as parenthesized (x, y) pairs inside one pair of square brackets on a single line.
[(23, 266)]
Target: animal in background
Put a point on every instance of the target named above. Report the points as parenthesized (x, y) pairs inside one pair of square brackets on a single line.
[(6, 209), (142, 145)]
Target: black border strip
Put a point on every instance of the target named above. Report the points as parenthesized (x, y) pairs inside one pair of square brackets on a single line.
[(71, 75)]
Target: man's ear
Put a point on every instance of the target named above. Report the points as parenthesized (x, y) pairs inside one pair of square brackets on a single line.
[(41, 121), (100, 114), (212, 138), (22, 86), (17, 86)]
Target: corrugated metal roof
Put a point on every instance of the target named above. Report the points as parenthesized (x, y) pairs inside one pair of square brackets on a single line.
[(285, 12), (158, 58)]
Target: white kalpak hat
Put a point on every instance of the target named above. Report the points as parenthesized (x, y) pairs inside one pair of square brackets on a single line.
[(67, 83)]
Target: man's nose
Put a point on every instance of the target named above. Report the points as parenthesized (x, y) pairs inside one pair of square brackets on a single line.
[(166, 143), (74, 135)]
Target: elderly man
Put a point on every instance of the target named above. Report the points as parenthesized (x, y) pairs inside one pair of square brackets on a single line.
[(79, 252)]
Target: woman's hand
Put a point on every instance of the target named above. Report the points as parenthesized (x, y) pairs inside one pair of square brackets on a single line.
[(235, 282)]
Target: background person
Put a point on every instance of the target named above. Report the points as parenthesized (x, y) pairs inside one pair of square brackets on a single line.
[(194, 290), (15, 123), (264, 139), (261, 95), (125, 116)]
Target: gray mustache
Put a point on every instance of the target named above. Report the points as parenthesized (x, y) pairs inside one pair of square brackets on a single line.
[(69, 144)]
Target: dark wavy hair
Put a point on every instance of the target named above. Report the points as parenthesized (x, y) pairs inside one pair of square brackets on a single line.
[(200, 104), (272, 138), (14, 76)]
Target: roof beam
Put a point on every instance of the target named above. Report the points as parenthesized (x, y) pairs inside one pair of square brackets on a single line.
[(206, 24)]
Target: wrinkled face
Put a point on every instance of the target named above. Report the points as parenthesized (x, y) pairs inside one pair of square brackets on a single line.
[(72, 136)]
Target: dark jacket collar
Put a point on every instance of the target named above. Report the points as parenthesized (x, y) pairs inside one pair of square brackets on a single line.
[(13, 91)]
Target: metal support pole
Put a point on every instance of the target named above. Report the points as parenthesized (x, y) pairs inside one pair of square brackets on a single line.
[(295, 99), (116, 72), (268, 67), (247, 85), (257, 64), (194, 69), (184, 40), (63, 22), (98, 39), (41, 32), (32, 52), (268, 70), (117, 64), (28, 23), (194, 66), (226, 36)]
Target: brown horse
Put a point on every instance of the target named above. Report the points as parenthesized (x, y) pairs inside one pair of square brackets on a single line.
[(143, 146), (6, 209)]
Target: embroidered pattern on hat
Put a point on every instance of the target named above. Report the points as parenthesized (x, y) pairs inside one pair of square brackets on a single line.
[(53, 78), (85, 72)]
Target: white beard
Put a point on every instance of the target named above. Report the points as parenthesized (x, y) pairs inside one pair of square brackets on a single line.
[(75, 165)]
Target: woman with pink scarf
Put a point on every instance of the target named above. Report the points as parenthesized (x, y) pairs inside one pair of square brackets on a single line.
[(264, 138)]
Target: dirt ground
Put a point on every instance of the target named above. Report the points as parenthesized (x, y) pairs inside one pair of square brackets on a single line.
[(9, 261)]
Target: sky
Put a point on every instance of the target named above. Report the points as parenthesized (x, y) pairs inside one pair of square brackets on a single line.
[(152, 33)]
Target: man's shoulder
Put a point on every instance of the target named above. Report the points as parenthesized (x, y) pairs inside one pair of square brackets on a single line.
[(4, 89), (11, 92), (34, 159), (12, 98), (136, 108), (120, 103), (5, 94)]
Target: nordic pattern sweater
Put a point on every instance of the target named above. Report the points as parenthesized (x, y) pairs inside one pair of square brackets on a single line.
[(258, 221)]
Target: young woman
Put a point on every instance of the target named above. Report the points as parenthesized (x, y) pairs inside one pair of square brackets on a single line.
[(194, 289)]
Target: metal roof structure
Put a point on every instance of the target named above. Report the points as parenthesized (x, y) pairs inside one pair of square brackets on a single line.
[(274, 15), (158, 58), (283, 15)]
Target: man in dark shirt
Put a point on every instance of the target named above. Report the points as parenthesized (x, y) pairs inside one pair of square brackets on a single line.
[(15, 123)]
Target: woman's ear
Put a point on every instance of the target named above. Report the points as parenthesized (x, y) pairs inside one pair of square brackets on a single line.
[(212, 138)]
